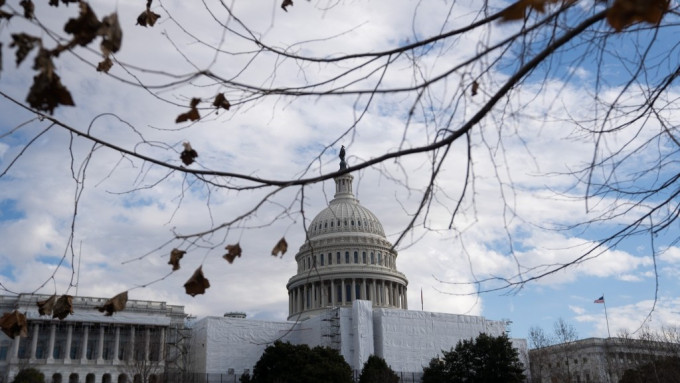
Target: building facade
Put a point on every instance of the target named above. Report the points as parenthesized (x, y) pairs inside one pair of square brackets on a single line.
[(134, 344), (595, 360), (347, 294)]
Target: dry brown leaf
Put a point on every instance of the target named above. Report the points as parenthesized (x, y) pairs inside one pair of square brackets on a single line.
[(519, 10), (63, 307), (45, 307), (281, 247), (85, 28), (112, 35), (624, 13), (221, 102), (105, 65), (475, 87), (14, 324), (192, 114), (197, 283), (233, 251), (47, 92), (55, 3), (29, 8), (188, 155), (285, 4), (24, 44), (147, 17), (114, 304), (175, 256)]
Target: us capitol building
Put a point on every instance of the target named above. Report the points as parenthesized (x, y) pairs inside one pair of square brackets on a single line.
[(347, 294)]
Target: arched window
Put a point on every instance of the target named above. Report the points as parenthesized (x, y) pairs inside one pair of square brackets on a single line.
[(321, 258), (363, 257), (356, 257), (338, 258), (330, 258), (106, 378), (372, 258), (379, 258), (73, 378), (346, 256), (56, 378), (122, 378)]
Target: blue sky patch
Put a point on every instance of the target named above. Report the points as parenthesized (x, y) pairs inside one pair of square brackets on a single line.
[(9, 210)]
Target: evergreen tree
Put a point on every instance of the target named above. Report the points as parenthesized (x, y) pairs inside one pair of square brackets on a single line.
[(376, 370), (29, 375), (486, 359), (288, 363)]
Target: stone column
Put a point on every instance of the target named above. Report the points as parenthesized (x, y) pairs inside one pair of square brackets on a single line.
[(116, 344), (50, 346), (100, 345), (332, 293), (342, 292), (131, 356), (323, 294), (354, 290), (14, 355), (83, 350), (34, 340), (405, 299), (69, 339), (374, 295), (304, 298), (161, 345), (147, 343)]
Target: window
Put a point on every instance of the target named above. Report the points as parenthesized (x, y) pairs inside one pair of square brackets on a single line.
[(348, 293), (3, 352), (338, 258), (325, 225), (352, 222), (332, 222), (372, 258), (357, 290), (330, 258), (363, 254), (346, 256), (379, 258), (356, 257), (338, 292), (321, 257)]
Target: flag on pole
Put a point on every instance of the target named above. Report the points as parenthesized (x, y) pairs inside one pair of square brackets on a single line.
[(599, 300)]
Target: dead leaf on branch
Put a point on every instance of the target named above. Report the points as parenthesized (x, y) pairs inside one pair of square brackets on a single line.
[(475, 88), (85, 28), (24, 44), (114, 304), (520, 9), (45, 307), (112, 35), (105, 65), (188, 155), (197, 284), (233, 251), (47, 90), (63, 307), (147, 17), (624, 13), (28, 7), (221, 102), (14, 324), (192, 114), (175, 256), (286, 4), (281, 247)]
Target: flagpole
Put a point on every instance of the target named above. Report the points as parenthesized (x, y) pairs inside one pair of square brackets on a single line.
[(606, 317)]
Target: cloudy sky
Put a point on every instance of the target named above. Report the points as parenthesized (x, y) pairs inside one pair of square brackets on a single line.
[(520, 215)]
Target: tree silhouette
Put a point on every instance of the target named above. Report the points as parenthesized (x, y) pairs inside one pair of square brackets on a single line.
[(460, 91)]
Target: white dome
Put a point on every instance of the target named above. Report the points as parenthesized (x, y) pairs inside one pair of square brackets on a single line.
[(345, 215)]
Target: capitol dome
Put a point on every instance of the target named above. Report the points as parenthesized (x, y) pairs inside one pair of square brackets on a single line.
[(346, 257)]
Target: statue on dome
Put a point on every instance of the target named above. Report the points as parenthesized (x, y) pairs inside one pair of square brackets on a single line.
[(343, 164)]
